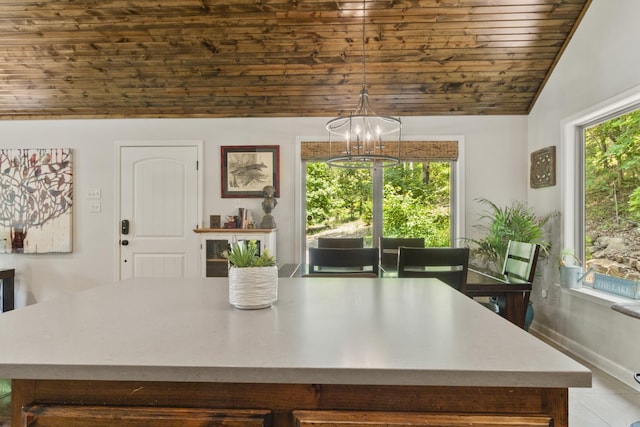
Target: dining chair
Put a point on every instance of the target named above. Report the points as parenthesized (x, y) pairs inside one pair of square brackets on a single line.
[(447, 264), (519, 265), (7, 289), (343, 261), (340, 242), (344, 274), (389, 249), (520, 260)]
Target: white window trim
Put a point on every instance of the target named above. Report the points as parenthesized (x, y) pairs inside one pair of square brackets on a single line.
[(570, 178), (595, 296)]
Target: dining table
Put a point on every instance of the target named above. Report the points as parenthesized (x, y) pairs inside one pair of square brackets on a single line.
[(513, 293)]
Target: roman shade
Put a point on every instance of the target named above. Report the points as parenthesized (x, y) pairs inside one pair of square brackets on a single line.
[(417, 151)]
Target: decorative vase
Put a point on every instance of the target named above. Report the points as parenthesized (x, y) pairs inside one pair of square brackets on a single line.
[(528, 316), (252, 288), (18, 234)]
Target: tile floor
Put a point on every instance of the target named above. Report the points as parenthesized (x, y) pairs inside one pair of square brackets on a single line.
[(609, 403)]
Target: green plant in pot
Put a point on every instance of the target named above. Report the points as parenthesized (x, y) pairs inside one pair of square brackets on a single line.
[(499, 225), (253, 277)]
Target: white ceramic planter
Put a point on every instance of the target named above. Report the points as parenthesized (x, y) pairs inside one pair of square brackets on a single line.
[(253, 287)]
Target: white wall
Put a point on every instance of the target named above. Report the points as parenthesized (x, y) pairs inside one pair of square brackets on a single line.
[(496, 169), (601, 62)]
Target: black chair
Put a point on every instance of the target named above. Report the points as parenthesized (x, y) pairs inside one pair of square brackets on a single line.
[(389, 249), (346, 261), (344, 274), (447, 264), (340, 242), (7, 285)]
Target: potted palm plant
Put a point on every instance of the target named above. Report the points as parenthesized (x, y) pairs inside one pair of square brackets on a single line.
[(253, 278), (499, 225), (515, 222)]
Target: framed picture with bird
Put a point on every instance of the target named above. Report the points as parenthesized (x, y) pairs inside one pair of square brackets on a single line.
[(247, 169)]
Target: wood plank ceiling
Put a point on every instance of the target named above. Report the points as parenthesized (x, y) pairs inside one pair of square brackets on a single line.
[(275, 58)]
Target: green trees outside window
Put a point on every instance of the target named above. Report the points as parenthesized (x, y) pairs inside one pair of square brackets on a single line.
[(416, 201), (612, 181)]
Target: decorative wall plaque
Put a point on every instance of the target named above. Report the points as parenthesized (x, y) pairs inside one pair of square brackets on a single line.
[(543, 168)]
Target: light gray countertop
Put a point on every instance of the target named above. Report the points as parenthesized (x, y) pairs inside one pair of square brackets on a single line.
[(328, 331)]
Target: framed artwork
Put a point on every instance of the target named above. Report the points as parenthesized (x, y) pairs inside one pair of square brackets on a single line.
[(215, 221), (543, 168), (246, 170), (36, 200)]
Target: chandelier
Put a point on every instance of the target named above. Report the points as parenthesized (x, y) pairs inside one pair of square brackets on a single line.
[(364, 139)]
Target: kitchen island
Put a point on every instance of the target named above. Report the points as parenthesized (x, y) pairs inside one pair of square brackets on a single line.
[(329, 351)]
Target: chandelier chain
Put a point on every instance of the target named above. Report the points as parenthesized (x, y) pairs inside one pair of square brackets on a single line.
[(363, 139), (364, 35)]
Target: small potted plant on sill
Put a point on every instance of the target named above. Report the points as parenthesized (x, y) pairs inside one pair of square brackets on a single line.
[(253, 279)]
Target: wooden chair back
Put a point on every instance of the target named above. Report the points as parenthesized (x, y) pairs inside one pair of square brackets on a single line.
[(520, 261), (340, 242), (447, 264), (343, 260), (389, 248)]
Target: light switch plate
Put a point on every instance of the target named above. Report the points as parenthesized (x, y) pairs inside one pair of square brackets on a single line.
[(95, 206), (94, 193)]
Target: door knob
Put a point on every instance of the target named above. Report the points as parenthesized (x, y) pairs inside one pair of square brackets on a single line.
[(125, 242)]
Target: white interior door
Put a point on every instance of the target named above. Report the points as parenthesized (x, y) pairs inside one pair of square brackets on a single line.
[(159, 199)]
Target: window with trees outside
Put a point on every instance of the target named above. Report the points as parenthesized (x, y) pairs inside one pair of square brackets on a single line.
[(611, 195), (413, 199), (410, 200)]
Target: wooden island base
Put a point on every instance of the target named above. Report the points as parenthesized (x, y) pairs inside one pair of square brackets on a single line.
[(135, 403)]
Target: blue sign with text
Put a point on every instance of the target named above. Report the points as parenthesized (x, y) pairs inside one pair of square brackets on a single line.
[(617, 286)]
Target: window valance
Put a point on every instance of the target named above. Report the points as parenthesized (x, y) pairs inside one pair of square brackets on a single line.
[(417, 151)]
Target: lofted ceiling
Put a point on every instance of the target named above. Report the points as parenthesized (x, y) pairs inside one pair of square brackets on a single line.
[(277, 58)]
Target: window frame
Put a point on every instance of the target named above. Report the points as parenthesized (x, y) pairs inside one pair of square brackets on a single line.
[(572, 152), (457, 192)]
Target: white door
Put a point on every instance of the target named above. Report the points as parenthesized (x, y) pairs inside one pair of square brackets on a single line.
[(159, 201)]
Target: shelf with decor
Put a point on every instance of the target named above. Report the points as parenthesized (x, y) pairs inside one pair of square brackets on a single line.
[(214, 241)]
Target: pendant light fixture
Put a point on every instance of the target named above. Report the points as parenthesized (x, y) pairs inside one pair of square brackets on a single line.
[(364, 139)]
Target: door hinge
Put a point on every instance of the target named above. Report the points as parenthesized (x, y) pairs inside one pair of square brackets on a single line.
[(197, 165)]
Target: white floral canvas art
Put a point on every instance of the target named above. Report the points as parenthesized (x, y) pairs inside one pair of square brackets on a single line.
[(36, 200)]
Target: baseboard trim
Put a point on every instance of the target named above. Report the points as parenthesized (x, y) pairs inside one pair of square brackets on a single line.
[(583, 354)]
